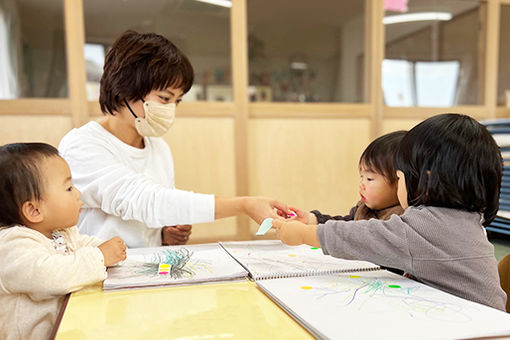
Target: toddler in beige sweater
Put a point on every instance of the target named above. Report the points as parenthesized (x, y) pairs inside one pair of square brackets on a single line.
[(42, 255)]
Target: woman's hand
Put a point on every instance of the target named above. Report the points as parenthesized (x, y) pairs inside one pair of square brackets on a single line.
[(260, 208), (175, 235)]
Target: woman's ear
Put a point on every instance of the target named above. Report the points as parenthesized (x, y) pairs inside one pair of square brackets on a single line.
[(31, 212)]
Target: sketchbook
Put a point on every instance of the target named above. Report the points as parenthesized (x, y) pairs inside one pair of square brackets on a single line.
[(270, 259), (171, 265), (381, 305)]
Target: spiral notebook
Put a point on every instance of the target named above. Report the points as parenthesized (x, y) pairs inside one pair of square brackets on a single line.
[(271, 259), (171, 265), (381, 305)]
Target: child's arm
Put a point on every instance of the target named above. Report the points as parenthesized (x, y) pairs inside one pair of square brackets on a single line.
[(382, 242), (315, 217), (295, 233), (114, 251), (320, 218), (83, 240), (26, 266)]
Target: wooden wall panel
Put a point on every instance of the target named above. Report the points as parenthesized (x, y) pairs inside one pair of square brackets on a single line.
[(309, 163), (203, 151), (37, 128), (390, 125)]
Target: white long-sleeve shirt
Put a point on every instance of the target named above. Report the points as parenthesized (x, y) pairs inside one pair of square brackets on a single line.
[(35, 275), (127, 191)]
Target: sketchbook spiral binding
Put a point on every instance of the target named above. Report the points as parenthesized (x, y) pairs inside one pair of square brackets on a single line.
[(274, 260), (268, 276)]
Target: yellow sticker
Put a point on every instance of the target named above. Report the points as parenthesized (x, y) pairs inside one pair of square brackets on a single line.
[(306, 287)]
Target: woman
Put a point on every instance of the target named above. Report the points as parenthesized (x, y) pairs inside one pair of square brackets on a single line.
[(121, 166)]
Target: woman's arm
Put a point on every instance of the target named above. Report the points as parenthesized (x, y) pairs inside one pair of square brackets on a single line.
[(107, 182), (258, 208)]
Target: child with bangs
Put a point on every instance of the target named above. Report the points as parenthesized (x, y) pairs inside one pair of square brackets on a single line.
[(42, 255), (377, 188)]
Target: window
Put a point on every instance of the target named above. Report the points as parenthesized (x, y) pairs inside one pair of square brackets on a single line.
[(201, 30), (423, 83), (504, 58), (441, 42), (398, 83), (32, 49), (94, 62), (306, 51)]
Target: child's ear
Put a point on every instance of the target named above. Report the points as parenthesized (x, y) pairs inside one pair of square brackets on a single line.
[(31, 212)]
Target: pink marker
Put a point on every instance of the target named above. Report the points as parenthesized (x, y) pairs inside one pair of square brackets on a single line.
[(292, 214)]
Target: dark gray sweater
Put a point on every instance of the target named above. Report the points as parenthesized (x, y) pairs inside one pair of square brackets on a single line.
[(441, 247)]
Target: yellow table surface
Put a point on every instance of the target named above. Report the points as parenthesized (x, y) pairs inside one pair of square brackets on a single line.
[(208, 311)]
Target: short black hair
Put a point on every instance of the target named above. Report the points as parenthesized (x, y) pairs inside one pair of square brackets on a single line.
[(138, 63), (379, 156), (20, 178), (450, 160)]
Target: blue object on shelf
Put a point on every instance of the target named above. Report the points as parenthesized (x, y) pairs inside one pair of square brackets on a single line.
[(502, 127)]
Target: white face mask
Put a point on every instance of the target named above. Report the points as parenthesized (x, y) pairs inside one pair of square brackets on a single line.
[(158, 118)]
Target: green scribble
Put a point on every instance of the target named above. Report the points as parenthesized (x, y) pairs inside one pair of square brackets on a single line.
[(177, 259)]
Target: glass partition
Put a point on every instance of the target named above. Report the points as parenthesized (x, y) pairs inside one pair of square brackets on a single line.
[(504, 58), (32, 49), (200, 29), (306, 51), (434, 53)]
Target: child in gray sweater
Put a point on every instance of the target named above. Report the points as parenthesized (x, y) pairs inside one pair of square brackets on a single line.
[(449, 174)]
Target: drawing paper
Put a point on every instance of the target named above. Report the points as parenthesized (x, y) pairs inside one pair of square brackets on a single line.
[(381, 305), (173, 265), (274, 259)]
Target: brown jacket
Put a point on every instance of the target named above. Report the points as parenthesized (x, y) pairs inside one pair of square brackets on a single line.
[(361, 212)]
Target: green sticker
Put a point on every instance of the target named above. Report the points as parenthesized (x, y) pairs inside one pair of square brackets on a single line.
[(394, 286), (314, 248)]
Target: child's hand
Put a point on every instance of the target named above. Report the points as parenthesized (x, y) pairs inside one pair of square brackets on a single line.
[(295, 233), (260, 208), (301, 215), (175, 235), (114, 251)]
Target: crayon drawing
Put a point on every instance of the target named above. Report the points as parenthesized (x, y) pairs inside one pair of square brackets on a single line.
[(267, 259), (381, 305), (173, 265)]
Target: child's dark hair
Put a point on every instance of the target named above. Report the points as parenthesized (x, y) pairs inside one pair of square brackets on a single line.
[(451, 160), (20, 178), (139, 63), (379, 156)]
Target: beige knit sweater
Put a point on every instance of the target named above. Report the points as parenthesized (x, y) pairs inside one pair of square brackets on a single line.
[(35, 276)]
